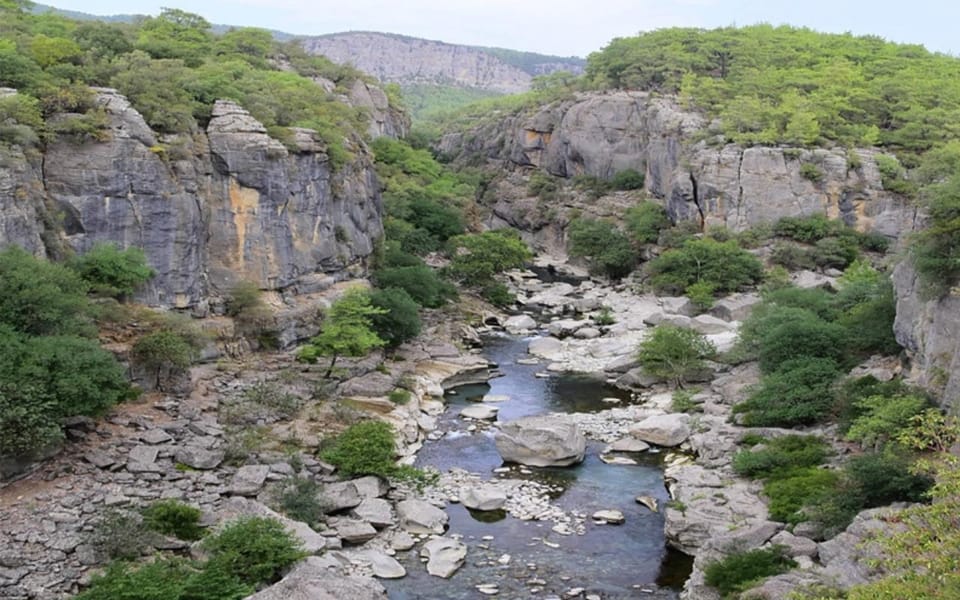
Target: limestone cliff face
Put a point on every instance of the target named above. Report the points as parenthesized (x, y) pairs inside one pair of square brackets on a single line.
[(210, 209), (929, 329), (602, 133), (407, 60)]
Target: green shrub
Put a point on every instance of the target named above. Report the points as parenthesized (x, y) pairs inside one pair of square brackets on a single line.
[(543, 186), (792, 256), (628, 179), (608, 251), (497, 294), (171, 517), (159, 580), (807, 229), (679, 234), (593, 186), (119, 535), (604, 317), (701, 295), (164, 351), (815, 300), (347, 330), (790, 494), (400, 321), (934, 250), (299, 499), (645, 221), (682, 401), (254, 549), (724, 265), (365, 448), (801, 338), (400, 396), (781, 455), (674, 353), (477, 258), (755, 236), (837, 253), (882, 418), (811, 172), (111, 271), (798, 394), (881, 478), (738, 572), (245, 297), (420, 282)]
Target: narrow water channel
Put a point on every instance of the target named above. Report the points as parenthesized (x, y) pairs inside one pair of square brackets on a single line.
[(615, 561)]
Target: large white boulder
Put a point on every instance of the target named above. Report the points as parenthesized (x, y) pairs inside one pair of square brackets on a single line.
[(444, 556), (417, 516), (663, 430), (541, 441), (483, 497), (519, 324)]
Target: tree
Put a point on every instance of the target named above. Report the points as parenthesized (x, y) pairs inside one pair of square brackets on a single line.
[(420, 281), (645, 221), (723, 264), (401, 321), (164, 350), (674, 353), (347, 330), (111, 271)]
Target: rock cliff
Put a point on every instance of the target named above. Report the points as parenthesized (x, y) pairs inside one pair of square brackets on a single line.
[(210, 209), (408, 60), (600, 134)]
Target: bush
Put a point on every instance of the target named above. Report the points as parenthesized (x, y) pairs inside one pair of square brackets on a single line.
[(738, 572), (701, 295), (478, 257), (798, 394), (755, 236), (800, 338), (781, 455), (497, 294), (400, 396), (792, 256), (818, 301), (400, 321), (543, 186), (850, 392), (605, 247), (882, 418), (806, 229), (869, 310), (420, 282), (724, 265), (680, 233), (366, 448), (674, 353), (254, 550), (159, 580), (837, 253), (682, 401), (111, 271), (298, 498), (119, 535), (165, 351), (881, 478), (934, 250), (628, 179), (790, 494), (645, 221), (811, 172), (171, 517)]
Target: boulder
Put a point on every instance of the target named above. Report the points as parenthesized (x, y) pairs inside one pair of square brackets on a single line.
[(199, 458), (519, 324), (312, 579), (444, 556), (546, 347), (417, 516), (735, 307), (483, 498), (338, 496), (249, 480), (479, 411), (678, 305), (707, 324), (663, 430), (354, 531), (383, 565), (541, 441), (637, 379), (587, 333), (375, 511), (629, 444), (370, 486), (795, 545), (564, 327), (613, 517)]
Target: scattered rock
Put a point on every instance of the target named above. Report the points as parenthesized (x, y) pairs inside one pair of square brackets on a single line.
[(199, 458), (519, 324), (338, 496), (249, 480), (383, 565), (613, 517), (353, 531), (629, 444), (479, 411), (375, 511), (648, 501), (312, 579), (155, 436)]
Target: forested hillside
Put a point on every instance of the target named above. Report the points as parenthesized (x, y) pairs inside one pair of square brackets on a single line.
[(171, 67)]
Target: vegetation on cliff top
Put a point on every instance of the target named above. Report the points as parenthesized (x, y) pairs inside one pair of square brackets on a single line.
[(172, 67)]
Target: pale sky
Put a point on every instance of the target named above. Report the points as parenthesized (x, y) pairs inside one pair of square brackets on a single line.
[(563, 27)]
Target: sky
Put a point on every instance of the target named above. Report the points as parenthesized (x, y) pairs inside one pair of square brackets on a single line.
[(562, 27)]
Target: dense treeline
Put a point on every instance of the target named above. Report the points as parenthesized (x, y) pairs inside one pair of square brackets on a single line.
[(783, 84), (172, 68)]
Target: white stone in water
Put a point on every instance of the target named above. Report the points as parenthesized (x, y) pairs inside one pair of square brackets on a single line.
[(574, 592), (617, 460), (488, 589), (648, 501), (479, 411), (496, 398), (505, 559), (613, 517), (610, 400)]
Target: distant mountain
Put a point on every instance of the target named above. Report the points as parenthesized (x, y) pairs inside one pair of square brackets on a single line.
[(415, 61)]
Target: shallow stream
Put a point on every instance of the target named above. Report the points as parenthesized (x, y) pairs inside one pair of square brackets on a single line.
[(615, 561)]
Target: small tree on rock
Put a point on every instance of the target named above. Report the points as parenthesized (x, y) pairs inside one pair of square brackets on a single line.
[(347, 330), (674, 353)]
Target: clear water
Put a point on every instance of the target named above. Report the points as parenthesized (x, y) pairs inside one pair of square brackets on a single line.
[(623, 561)]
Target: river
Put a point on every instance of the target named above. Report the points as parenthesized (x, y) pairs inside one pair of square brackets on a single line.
[(614, 561)]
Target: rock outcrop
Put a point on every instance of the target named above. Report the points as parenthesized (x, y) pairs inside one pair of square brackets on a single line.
[(600, 134), (409, 60), (929, 329), (209, 210)]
